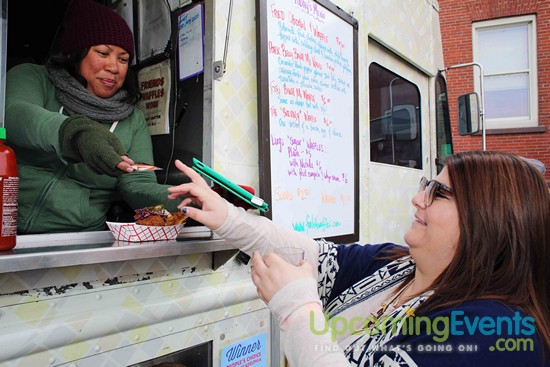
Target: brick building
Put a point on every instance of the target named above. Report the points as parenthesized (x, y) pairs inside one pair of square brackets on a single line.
[(511, 40)]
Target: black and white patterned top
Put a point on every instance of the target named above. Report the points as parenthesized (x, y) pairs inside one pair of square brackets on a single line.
[(355, 279)]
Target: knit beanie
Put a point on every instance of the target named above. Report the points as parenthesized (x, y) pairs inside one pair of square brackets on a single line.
[(88, 23)]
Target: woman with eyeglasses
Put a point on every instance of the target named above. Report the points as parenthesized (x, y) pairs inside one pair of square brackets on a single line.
[(471, 288)]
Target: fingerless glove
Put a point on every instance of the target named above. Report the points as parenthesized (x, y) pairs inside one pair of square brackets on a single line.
[(84, 140)]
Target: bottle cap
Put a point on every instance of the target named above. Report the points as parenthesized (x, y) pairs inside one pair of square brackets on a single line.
[(2, 133)]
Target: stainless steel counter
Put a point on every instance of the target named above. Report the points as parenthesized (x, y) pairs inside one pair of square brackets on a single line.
[(67, 249)]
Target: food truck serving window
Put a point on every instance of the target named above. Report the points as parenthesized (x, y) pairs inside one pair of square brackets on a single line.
[(177, 107), (157, 42)]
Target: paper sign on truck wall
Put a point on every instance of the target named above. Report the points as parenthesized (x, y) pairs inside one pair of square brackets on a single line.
[(191, 42), (154, 84), (248, 352)]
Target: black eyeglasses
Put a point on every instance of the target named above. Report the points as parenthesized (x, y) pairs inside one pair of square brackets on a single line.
[(433, 188)]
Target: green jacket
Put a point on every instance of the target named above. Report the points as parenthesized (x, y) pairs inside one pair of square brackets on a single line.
[(55, 196)]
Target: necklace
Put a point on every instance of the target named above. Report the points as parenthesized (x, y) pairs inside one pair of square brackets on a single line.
[(375, 317), (397, 297)]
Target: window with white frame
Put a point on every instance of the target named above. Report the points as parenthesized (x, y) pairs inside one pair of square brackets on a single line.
[(506, 49)]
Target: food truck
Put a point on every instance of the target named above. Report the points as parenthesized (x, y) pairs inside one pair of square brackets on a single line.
[(331, 110)]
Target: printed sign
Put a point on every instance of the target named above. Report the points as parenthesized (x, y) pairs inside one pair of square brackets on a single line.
[(190, 42), (246, 353), (154, 84)]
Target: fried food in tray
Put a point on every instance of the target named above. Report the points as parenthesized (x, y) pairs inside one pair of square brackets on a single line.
[(158, 216)]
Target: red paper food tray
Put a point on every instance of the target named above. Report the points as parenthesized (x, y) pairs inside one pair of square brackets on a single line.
[(137, 233)]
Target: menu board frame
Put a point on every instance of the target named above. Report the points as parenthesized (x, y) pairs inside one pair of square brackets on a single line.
[(319, 165)]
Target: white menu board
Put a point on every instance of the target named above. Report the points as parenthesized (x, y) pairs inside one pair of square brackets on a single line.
[(309, 117)]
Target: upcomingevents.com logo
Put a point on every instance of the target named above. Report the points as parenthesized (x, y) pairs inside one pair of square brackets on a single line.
[(516, 330)]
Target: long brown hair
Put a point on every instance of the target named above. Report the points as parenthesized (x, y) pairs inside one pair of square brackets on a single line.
[(503, 252)]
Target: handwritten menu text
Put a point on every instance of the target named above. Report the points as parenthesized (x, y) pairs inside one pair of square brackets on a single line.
[(311, 110)]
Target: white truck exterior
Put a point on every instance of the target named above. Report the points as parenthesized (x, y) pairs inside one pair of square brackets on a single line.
[(67, 301)]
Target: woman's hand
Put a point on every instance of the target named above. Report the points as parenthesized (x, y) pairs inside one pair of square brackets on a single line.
[(125, 165), (213, 212), (271, 273)]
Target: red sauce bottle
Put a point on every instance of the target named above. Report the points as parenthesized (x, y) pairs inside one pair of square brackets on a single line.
[(9, 190)]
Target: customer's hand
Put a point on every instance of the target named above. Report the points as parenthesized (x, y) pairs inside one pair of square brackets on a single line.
[(85, 140), (213, 208), (271, 273)]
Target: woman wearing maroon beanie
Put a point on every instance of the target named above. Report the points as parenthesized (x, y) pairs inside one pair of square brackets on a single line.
[(76, 130)]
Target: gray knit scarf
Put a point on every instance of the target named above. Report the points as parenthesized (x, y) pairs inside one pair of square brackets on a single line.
[(77, 100)]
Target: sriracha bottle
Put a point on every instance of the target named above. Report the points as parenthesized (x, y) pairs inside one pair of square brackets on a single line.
[(9, 190)]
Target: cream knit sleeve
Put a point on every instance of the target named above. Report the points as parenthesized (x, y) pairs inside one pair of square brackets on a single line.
[(305, 339), (251, 232)]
